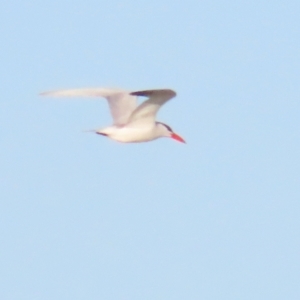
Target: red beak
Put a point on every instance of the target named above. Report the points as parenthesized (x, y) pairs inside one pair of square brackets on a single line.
[(177, 137)]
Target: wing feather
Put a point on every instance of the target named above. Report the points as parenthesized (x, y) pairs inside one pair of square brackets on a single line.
[(121, 102), (146, 112)]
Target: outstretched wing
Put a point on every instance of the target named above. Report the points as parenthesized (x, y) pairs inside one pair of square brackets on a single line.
[(121, 102), (146, 112)]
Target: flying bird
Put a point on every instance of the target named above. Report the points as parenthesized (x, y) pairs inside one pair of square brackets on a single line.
[(132, 123)]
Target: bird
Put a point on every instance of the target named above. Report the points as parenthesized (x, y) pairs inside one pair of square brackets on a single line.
[(132, 123)]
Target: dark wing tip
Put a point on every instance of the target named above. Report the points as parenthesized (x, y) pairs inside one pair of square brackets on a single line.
[(149, 93)]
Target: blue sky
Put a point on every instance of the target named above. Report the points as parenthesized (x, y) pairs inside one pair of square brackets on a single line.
[(83, 217)]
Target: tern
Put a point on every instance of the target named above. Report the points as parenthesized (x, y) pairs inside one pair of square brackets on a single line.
[(132, 123)]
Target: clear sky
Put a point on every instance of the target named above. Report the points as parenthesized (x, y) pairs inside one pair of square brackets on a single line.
[(84, 217)]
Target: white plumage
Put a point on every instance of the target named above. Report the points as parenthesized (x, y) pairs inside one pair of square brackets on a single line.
[(131, 123)]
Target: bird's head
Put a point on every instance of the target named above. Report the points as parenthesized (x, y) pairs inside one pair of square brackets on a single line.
[(166, 130)]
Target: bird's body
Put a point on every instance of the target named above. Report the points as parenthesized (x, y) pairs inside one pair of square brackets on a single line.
[(132, 123), (132, 134), (129, 134)]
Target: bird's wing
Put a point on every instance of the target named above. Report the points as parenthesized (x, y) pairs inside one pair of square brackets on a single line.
[(121, 102), (146, 112)]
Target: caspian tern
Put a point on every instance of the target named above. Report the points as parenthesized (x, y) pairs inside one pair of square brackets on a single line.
[(132, 123)]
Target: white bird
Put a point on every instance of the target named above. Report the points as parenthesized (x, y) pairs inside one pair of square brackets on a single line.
[(132, 123)]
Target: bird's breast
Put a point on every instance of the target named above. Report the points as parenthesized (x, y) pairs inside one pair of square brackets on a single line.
[(134, 134)]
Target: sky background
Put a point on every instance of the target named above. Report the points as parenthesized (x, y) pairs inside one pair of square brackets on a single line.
[(84, 217)]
